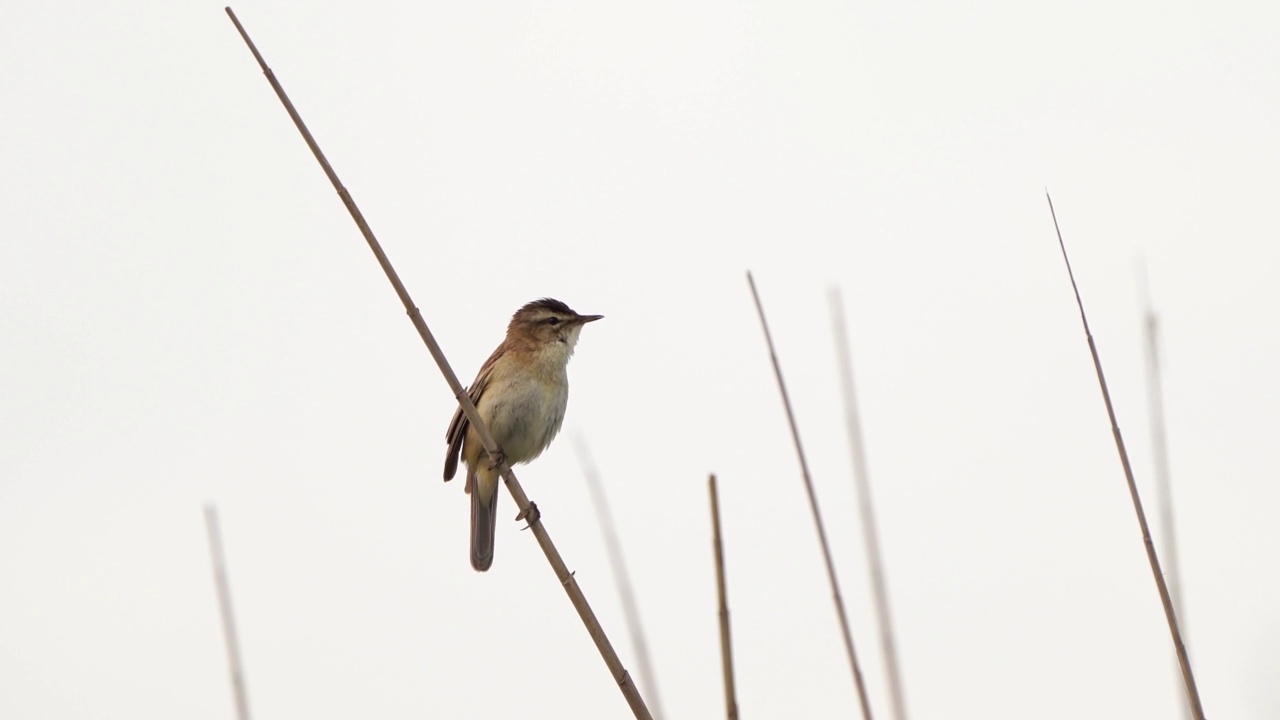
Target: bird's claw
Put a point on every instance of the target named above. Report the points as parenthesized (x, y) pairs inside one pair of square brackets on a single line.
[(497, 460), (530, 515)]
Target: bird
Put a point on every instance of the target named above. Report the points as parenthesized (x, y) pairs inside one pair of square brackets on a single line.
[(521, 393)]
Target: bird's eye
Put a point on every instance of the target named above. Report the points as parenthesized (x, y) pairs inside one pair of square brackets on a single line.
[(552, 320)]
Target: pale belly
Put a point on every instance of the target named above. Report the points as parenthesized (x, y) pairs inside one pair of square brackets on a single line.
[(524, 416)]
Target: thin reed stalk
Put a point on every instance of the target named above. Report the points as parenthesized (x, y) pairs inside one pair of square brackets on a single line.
[(1193, 693), (1160, 449), (726, 640), (228, 618), (866, 508), (528, 511), (813, 506), (622, 578)]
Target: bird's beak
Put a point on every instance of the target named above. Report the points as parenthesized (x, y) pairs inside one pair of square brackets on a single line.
[(584, 319)]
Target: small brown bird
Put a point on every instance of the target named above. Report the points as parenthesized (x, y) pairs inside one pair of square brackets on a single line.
[(521, 392)]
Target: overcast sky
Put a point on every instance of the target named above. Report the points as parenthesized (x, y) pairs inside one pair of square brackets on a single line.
[(188, 315)]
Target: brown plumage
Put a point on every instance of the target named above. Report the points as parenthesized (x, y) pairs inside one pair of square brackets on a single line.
[(521, 392)]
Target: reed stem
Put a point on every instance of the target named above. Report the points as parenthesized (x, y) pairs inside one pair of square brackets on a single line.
[(626, 592), (1193, 693), (817, 515), (726, 640), (1160, 449), (528, 511), (228, 618), (866, 508)]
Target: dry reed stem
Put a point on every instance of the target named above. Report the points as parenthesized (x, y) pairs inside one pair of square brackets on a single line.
[(813, 506), (726, 640), (1193, 693), (528, 511), (622, 578), (228, 618), (1160, 449), (866, 508)]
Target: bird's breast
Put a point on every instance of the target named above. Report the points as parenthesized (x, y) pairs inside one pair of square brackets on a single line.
[(524, 411)]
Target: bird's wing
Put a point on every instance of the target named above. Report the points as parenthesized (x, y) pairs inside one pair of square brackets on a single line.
[(458, 426)]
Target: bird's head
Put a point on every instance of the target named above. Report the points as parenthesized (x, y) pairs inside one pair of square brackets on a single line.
[(548, 322)]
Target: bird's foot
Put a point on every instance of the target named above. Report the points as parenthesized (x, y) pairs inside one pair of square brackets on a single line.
[(497, 460), (529, 514)]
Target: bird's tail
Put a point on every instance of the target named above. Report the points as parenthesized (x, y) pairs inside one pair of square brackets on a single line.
[(484, 524)]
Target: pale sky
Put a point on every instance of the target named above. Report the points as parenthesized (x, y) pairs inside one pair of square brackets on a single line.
[(188, 315)]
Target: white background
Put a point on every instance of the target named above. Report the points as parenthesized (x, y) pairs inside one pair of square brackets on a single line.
[(187, 314)]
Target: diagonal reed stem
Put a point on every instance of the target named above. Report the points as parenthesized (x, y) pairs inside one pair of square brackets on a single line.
[(1193, 693), (866, 508), (228, 618), (1160, 449), (726, 640), (630, 609), (813, 506), (528, 511)]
